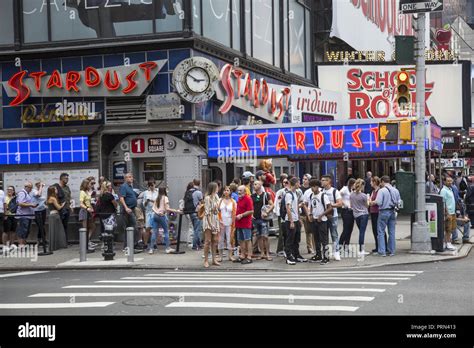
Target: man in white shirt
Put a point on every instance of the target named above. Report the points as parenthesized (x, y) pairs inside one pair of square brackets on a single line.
[(319, 207), (347, 214), (336, 202), (293, 225), (304, 217), (281, 222)]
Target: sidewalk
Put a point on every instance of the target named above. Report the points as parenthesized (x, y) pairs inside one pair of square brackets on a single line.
[(69, 258)]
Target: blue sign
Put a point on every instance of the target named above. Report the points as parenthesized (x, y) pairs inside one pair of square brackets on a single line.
[(325, 141), (44, 150)]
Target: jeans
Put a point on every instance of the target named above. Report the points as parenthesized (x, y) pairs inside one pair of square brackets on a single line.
[(40, 219), (348, 226), (293, 238), (332, 222), (374, 218), (308, 231), (321, 238), (197, 228), (225, 236), (160, 221), (465, 233), (386, 219), (362, 222)]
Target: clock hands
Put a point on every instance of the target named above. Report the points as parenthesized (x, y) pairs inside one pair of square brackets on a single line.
[(195, 79)]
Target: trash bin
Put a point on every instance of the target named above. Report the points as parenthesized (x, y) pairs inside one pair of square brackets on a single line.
[(435, 217)]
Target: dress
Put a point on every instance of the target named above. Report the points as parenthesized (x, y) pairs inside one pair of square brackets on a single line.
[(211, 220), (56, 235)]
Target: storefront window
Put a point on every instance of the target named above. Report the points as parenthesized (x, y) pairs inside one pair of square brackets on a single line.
[(262, 30), (74, 22), (297, 38), (276, 32), (35, 19), (6, 22), (236, 24), (248, 27), (216, 20), (170, 16), (197, 16)]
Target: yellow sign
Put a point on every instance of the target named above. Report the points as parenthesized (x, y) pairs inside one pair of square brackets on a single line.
[(388, 132), (379, 56)]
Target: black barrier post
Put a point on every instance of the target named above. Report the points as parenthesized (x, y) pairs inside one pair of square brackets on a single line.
[(180, 220), (43, 238)]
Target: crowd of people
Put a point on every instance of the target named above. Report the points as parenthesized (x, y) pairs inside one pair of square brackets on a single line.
[(236, 218)]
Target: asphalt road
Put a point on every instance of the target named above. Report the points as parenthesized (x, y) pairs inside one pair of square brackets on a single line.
[(442, 288)]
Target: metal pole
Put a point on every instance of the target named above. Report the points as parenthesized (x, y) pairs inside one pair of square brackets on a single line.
[(82, 244), (130, 243), (180, 220), (421, 241)]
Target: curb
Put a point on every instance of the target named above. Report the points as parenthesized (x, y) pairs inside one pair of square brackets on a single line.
[(230, 269)]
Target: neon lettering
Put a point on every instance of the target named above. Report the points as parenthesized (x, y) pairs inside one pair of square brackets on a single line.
[(282, 144), (300, 137), (112, 86), (72, 78), (147, 67), (22, 91), (337, 138), (243, 142), (37, 76), (131, 83), (318, 139), (92, 77), (356, 137), (262, 137), (55, 80)]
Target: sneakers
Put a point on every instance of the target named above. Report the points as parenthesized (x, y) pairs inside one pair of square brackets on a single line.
[(290, 261), (281, 254), (337, 256), (150, 251), (451, 247), (324, 261), (246, 261), (169, 250), (315, 258), (92, 245), (301, 259)]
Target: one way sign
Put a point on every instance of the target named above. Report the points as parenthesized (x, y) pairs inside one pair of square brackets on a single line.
[(416, 6)]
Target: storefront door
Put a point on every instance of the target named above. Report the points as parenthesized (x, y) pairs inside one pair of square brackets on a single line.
[(151, 168)]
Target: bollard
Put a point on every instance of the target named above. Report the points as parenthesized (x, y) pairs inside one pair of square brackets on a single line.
[(108, 240), (177, 251), (130, 243), (82, 245)]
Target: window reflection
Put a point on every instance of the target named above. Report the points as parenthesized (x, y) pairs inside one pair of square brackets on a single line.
[(6, 22)]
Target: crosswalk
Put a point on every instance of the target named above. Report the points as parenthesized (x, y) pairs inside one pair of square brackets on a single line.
[(237, 292)]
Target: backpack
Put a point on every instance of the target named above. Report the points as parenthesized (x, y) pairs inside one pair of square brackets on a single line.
[(331, 214), (189, 201), (13, 205), (283, 205)]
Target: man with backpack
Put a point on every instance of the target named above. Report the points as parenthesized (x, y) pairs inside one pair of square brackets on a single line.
[(281, 222), (263, 206), (319, 207), (64, 196), (25, 213), (192, 198), (293, 225), (336, 202)]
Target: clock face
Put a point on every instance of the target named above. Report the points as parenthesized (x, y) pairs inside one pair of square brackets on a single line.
[(194, 79), (197, 80)]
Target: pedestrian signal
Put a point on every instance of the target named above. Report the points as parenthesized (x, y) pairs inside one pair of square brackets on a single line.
[(388, 132)]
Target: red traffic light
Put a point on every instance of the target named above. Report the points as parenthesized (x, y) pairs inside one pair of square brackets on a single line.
[(402, 77)]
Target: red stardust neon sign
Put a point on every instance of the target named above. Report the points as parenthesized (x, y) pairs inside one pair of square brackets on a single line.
[(73, 81), (258, 94), (337, 140)]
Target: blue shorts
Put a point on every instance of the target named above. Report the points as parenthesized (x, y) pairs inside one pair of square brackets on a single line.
[(261, 226), (244, 234), (23, 229), (149, 219)]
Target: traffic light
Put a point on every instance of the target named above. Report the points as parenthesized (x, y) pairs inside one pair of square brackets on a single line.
[(405, 131), (388, 132), (403, 98)]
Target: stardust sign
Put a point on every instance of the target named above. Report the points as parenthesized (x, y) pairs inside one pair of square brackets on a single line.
[(327, 140), (368, 91), (255, 96), (127, 80)]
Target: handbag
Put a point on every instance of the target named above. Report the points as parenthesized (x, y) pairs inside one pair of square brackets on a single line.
[(266, 213)]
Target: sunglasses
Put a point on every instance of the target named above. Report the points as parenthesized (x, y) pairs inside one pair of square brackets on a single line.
[(285, 182)]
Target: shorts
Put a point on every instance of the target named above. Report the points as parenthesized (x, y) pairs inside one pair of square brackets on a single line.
[(84, 215), (244, 234), (9, 225), (451, 223), (23, 229), (261, 226)]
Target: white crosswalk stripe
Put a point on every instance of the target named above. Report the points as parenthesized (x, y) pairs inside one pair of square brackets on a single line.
[(240, 292)]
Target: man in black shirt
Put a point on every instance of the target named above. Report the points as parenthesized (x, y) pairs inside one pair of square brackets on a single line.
[(64, 196)]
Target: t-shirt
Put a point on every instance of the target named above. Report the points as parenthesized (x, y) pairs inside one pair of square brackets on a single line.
[(346, 197), (64, 195), (306, 196), (163, 203), (149, 195), (244, 204), (247, 191), (330, 195), (106, 206), (85, 198), (40, 200), (359, 204), (292, 198), (2, 201), (235, 196), (130, 197), (318, 204), (278, 198), (448, 199), (24, 197), (7, 201), (259, 200), (197, 196)]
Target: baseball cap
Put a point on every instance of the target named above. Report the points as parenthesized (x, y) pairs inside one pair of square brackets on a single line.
[(247, 175)]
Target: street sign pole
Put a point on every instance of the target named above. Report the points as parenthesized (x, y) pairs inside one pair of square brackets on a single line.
[(420, 239)]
